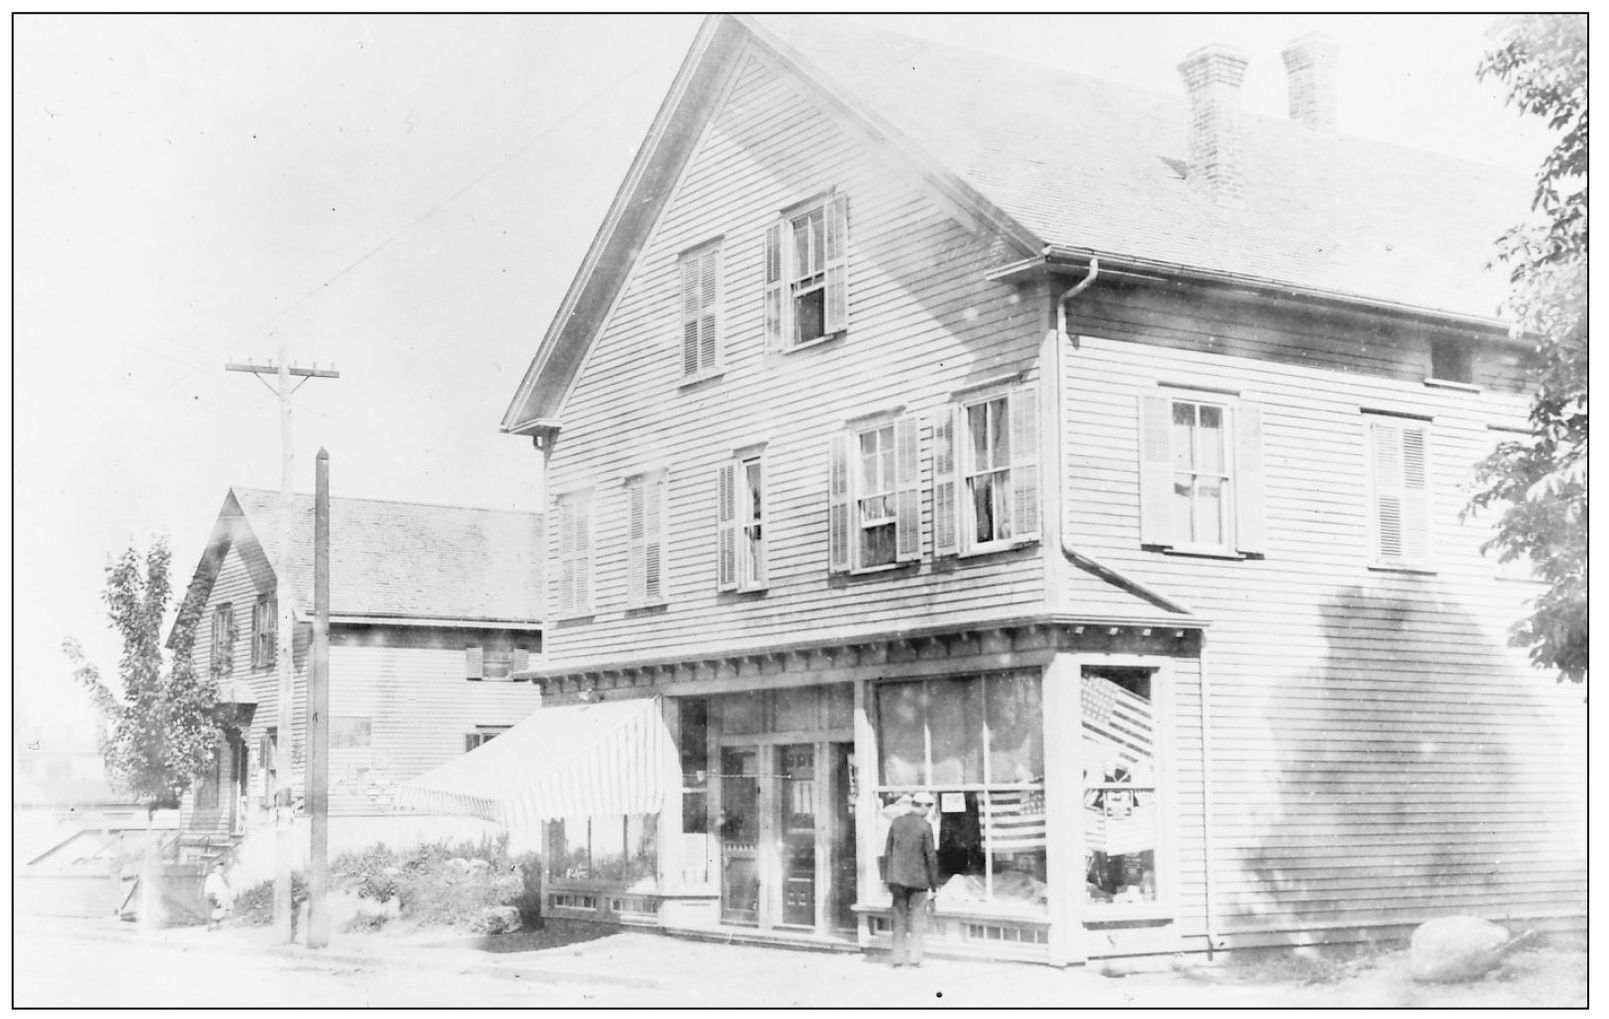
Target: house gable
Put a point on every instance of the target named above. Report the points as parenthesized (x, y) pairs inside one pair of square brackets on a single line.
[(697, 93)]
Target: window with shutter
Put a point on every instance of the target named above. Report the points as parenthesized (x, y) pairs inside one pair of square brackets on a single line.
[(645, 539), (223, 640), (264, 631), (572, 576), (700, 318), (993, 442), (482, 735), (807, 274), (1400, 498), (874, 518), (1201, 475), (740, 484)]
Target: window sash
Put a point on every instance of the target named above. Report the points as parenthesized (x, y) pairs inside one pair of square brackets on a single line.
[(986, 471), (751, 524), (1200, 463), (223, 640)]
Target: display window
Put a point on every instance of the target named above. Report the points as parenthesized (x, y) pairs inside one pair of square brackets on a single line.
[(1122, 823), (977, 744), (620, 848)]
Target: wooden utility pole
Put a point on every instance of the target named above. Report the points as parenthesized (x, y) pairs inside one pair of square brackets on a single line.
[(318, 711), (284, 793)]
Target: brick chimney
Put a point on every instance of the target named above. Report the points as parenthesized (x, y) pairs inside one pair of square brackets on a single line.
[(1310, 68), (1212, 76)]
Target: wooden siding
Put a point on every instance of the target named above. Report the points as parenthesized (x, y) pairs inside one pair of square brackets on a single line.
[(408, 682), (1379, 755), (419, 707), (923, 323)]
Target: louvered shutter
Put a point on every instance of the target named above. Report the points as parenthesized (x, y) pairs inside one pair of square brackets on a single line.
[(837, 263), (474, 662), (907, 491), (519, 660), (709, 288), (564, 582), (838, 504), (778, 306), (1156, 471), (1388, 496), (654, 541), (1415, 495), (690, 315), (1023, 409), (946, 524), (471, 741), (726, 525), (636, 543), (581, 527), (1251, 528)]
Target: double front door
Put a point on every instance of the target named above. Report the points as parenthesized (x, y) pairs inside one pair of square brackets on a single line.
[(787, 835)]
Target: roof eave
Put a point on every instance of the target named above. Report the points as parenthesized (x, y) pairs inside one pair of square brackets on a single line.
[(1059, 258), (519, 417)]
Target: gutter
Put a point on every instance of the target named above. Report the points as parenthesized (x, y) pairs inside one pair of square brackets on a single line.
[(1133, 267)]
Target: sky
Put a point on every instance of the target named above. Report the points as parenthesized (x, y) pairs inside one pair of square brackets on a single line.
[(406, 199)]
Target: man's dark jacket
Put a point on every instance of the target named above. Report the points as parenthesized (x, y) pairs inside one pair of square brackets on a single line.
[(912, 861)]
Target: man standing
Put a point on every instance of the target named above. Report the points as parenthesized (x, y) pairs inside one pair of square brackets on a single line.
[(913, 872)]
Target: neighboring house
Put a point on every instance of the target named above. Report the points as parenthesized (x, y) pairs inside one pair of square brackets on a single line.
[(1089, 457), (432, 608)]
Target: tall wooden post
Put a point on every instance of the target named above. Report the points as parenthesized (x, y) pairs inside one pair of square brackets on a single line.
[(318, 722), (284, 752)]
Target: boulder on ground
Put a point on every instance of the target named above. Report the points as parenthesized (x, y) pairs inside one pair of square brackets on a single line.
[(498, 920), (1454, 949), (458, 865)]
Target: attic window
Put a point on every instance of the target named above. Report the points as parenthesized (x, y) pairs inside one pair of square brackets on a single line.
[(806, 274), (1452, 360)]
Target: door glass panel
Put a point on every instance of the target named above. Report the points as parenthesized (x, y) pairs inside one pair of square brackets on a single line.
[(842, 847), (740, 834), (796, 808)]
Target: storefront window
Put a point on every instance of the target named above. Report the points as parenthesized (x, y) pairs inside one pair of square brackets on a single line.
[(976, 743), (1120, 794), (616, 848), (694, 749)]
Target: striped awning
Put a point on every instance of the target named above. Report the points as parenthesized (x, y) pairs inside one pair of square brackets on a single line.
[(612, 757)]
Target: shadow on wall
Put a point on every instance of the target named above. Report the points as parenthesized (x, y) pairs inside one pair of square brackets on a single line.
[(1414, 772)]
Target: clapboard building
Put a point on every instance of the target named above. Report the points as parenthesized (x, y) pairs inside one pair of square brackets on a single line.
[(1091, 458)]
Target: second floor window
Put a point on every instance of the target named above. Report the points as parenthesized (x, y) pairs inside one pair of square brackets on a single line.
[(264, 632), (986, 472), (1201, 474), (1399, 503), (807, 274), (700, 312), (223, 640), (572, 574), (645, 539), (740, 499), (874, 485), (486, 662)]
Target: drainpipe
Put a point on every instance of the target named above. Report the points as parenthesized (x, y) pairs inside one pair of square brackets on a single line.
[(1206, 792), (1201, 655)]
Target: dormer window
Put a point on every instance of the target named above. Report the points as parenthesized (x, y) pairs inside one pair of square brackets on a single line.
[(807, 274)]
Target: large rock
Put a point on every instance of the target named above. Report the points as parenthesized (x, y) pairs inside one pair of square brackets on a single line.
[(1455, 948), (498, 920)]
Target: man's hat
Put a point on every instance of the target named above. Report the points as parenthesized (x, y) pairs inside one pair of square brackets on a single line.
[(923, 799)]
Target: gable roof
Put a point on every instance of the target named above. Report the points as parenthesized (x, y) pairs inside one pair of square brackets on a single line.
[(1088, 164), (1065, 164), (397, 562)]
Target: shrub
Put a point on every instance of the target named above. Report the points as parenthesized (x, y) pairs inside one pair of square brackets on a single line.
[(440, 883), (254, 906)]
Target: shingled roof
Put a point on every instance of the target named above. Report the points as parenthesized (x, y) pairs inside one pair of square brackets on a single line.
[(1065, 166), (1087, 164), (403, 562)]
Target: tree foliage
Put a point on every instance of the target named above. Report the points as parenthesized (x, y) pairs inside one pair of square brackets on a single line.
[(1539, 483), (163, 731)]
